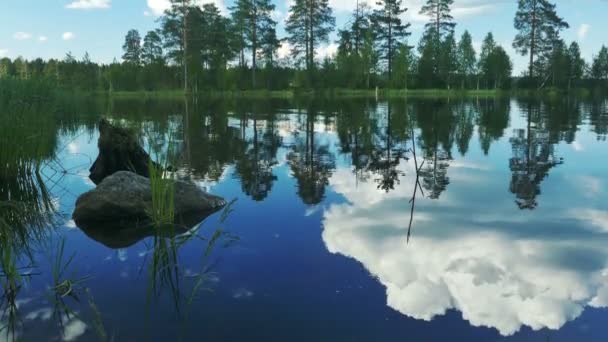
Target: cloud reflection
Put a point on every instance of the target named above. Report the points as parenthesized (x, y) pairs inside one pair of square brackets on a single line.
[(499, 272)]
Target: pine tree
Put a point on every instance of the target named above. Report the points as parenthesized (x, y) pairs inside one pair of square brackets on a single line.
[(433, 62), (576, 64), (487, 47), (599, 69), (539, 26), (499, 67), (441, 20), (132, 48), (389, 30), (559, 64), (253, 17), (309, 23), (466, 57), (448, 64), (175, 31), (152, 50)]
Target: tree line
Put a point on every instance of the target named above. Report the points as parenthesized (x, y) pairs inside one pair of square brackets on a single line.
[(196, 48)]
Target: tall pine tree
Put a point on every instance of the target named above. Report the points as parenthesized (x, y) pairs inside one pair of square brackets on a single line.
[(132, 48), (254, 18), (466, 58), (389, 30), (539, 26), (309, 23)]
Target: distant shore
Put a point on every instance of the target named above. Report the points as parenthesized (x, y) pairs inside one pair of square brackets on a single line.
[(345, 93)]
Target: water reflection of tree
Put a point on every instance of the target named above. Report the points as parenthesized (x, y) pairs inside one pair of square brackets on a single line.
[(390, 147), (464, 126), (493, 119), (355, 132), (598, 115), (215, 143), (562, 116), (533, 157), (437, 135), (311, 163), (254, 165)]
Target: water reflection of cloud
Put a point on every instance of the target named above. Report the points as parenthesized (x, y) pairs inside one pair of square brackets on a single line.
[(43, 314), (242, 293), (498, 270), (73, 328), (592, 186), (122, 255), (597, 218)]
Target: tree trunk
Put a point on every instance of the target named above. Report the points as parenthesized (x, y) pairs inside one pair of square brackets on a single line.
[(312, 46), (533, 39), (390, 48), (254, 45), (185, 38)]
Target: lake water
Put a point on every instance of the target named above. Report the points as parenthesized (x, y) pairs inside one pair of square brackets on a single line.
[(353, 220)]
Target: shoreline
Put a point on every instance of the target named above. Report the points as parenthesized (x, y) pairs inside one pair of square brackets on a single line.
[(346, 93)]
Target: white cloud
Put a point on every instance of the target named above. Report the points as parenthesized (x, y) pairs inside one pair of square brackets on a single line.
[(3, 52), (44, 314), (327, 50), (582, 31), (43, 38), (460, 10), (68, 36), (158, 7), (284, 50), (22, 35), (73, 329), (596, 218), (495, 277), (277, 15), (89, 4)]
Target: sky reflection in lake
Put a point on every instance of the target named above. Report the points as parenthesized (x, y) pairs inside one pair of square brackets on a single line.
[(508, 234)]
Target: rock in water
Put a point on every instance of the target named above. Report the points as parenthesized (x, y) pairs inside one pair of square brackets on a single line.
[(125, 197), (119, 150)]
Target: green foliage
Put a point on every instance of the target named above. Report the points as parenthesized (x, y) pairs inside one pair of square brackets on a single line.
[(466, 59), (309, 23), (256, 30), (198, 49), (599, 69), (389, 30), (152, 50), (132, 48), (538, 27), (441, 21)]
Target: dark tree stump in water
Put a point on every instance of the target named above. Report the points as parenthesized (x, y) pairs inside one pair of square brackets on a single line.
[(119, 150)]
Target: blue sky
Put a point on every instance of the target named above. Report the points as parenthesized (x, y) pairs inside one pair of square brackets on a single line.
[(50, 28)]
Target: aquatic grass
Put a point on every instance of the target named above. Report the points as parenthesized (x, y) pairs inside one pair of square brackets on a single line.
[(166, 274), (163, 197), (162, 182), (69, 287)]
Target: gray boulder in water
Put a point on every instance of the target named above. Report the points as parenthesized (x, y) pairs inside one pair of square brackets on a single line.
[(125, 197)]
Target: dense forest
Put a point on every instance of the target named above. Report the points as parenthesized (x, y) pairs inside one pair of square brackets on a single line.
[(198, 49)]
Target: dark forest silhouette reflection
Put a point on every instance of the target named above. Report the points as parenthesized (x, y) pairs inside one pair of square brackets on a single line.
[(533, 157), (310, 160), (374, 136)]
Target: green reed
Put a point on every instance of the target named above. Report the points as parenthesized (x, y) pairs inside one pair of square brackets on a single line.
[(162, 182), (165, 272)]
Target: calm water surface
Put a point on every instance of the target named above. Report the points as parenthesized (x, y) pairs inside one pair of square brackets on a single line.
[(353, 220)]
